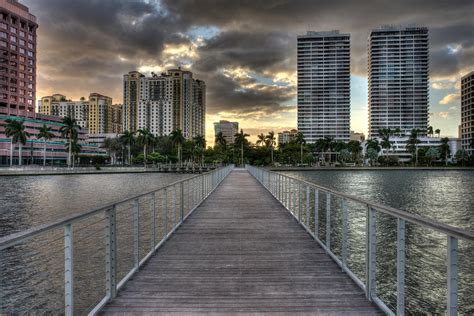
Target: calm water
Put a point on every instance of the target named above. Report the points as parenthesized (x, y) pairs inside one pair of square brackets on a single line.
[(31, 274), (447, 196)]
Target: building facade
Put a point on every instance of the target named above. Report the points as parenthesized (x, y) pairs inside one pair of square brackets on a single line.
[(398, 79), (164, 103), (287, 136), (228, 130), (33, 150), (467, 112), (117, 118), (357, 136), (17, 57), (95, 114), (324, 85)]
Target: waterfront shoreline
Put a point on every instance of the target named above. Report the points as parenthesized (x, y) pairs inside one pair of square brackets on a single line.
[(57, 172), (368, 168)]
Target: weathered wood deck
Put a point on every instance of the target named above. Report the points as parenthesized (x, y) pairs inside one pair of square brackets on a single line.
[(241, 252)]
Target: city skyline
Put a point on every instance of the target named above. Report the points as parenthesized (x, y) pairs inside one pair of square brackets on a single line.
[(247, 60)]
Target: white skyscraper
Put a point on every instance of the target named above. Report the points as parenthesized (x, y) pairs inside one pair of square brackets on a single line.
[(398, 79), (324, 85)]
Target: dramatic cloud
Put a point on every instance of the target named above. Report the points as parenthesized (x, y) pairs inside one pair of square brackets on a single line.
[(244, 50), (450, 98)]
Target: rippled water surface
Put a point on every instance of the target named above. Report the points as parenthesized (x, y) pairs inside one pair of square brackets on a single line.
[(446, 196), (31, 274)]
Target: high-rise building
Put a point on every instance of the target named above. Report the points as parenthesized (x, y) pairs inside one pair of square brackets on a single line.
[(287, 136), (398, 79), (324, 85), (164, 103), (117, 119), (467, 112), (228, 130), (95, 114), (100, 114), (17, 58)]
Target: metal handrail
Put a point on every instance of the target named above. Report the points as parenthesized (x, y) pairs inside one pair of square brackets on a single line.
[(204, 184), (279, 185)]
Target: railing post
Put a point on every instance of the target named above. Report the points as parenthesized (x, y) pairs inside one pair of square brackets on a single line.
[(300, 201), (294, 199), (370, 254), (316, 213), (328, 221), (153, 221), (452, 304), (165, 212), (307, 207), (345, 224), (400, 267), (111, 254), (68, 270), (136, 233), (181, 202), (202, 188), (174, 206)]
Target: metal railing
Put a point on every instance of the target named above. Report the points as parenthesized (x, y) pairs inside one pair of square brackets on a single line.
[(294, 195), (198, 188)]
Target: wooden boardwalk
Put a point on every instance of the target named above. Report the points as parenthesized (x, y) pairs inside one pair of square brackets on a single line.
[(241, 252)]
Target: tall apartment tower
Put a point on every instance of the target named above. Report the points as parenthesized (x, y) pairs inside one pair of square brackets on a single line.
[(164, 103), (17, 58), (398, 79), (324, 85), (467, 112)]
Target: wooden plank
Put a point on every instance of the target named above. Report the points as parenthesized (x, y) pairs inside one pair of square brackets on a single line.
[(241, 252)]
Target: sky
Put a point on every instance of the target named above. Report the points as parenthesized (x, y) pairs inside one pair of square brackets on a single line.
[(244, 50)]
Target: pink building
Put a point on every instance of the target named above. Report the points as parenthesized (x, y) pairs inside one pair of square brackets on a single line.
[(17, 57), (18, 91), (32, 151)]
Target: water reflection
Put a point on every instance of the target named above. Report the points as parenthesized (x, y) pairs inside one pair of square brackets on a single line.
[(443, 195)]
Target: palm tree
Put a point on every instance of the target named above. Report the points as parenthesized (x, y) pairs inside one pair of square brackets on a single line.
[(69, 130), (74, 149), (45, 134), (430, 131), (355, 148), (178, 140), (145, 139), (240, 140), (200, 143), (438, 131), (16, 130), (412, 143), (299, 139), (385, 134), (128, 138), (373, 143), (220, 139), (271, 141), (444, 149), (261, 139)]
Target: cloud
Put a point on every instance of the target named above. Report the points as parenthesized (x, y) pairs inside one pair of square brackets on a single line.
[(443, 115), (87, 45), (450, 98)]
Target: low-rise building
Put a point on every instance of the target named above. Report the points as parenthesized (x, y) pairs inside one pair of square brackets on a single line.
[(287, 136), (228, 130), (96, 114), (399, 147), (32, 151), (357, 136)]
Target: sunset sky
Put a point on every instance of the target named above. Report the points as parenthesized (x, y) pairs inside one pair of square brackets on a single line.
[(244, 50)]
